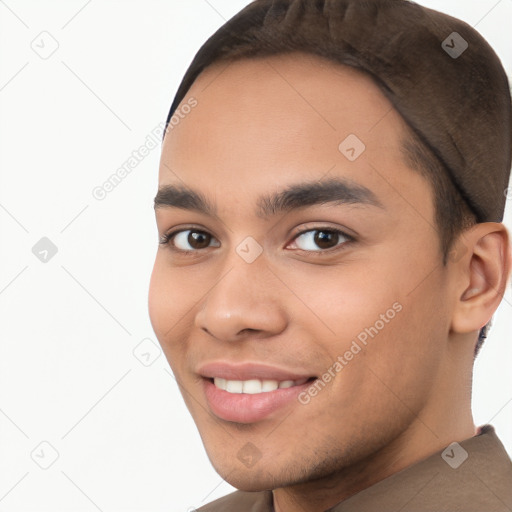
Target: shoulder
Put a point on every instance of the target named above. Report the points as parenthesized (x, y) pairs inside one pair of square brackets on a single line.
[(240, 501)]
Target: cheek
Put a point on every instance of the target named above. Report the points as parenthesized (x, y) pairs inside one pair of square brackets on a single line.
[(342, 301), (376, 315), (167, 301), (157, 299)]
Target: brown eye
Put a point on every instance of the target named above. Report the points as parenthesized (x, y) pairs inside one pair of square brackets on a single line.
[(320, 239), (191, 240), (326, 239), (198, 240)]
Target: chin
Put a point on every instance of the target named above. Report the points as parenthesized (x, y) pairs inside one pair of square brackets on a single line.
[(246, 479), (249, 484)]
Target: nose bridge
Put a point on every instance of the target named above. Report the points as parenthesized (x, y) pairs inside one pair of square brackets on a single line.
[(245, 296)]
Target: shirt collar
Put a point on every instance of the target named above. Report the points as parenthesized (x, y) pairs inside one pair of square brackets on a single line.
[(473, 475)]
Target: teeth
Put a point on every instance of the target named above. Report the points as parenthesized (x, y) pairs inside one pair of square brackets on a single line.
[(254, 386), (269, 385), (251, 387), (220, 383), (234, 386)]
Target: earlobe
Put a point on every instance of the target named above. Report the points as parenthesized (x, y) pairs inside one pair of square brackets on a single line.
[(484, 273)]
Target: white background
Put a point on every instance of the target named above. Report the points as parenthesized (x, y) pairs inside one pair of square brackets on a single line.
[(68, 375)]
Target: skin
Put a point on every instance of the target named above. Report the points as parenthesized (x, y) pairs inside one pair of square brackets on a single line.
[(259, 126)]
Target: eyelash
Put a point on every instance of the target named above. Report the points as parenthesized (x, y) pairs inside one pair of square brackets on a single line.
[(166, 238)]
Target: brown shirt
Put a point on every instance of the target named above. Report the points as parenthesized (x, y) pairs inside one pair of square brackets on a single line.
[(474, 475)]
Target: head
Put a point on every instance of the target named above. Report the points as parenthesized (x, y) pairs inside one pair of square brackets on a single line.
[(313, 219)]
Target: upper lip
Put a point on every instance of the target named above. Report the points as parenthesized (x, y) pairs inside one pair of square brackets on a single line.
[(248, 371)]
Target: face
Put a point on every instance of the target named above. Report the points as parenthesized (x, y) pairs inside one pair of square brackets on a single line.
[(298, 272)]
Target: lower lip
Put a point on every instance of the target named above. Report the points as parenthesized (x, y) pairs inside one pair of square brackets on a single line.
[(246, 408)]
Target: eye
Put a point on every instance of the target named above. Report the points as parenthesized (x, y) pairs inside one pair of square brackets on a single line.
[(320, 239), (188, 240)]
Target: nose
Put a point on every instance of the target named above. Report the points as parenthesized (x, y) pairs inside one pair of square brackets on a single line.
[(244, 301)]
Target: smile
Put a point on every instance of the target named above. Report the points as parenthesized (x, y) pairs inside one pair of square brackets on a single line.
[(255, 386)]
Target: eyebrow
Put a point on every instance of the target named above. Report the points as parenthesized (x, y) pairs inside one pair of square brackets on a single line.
[(336, 191)]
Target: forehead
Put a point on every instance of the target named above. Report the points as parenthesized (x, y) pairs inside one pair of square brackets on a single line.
[(264, 122)]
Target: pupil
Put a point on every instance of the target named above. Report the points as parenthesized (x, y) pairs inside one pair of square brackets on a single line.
[(325, 239), (198, 240)]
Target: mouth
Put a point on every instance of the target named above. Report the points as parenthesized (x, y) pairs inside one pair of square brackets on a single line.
[(249, 392), (256, 386), (251, 399)]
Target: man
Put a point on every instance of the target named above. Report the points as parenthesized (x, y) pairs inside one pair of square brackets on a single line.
[(330, 200)]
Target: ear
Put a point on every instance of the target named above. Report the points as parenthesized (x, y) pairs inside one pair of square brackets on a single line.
[(482, 275)]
